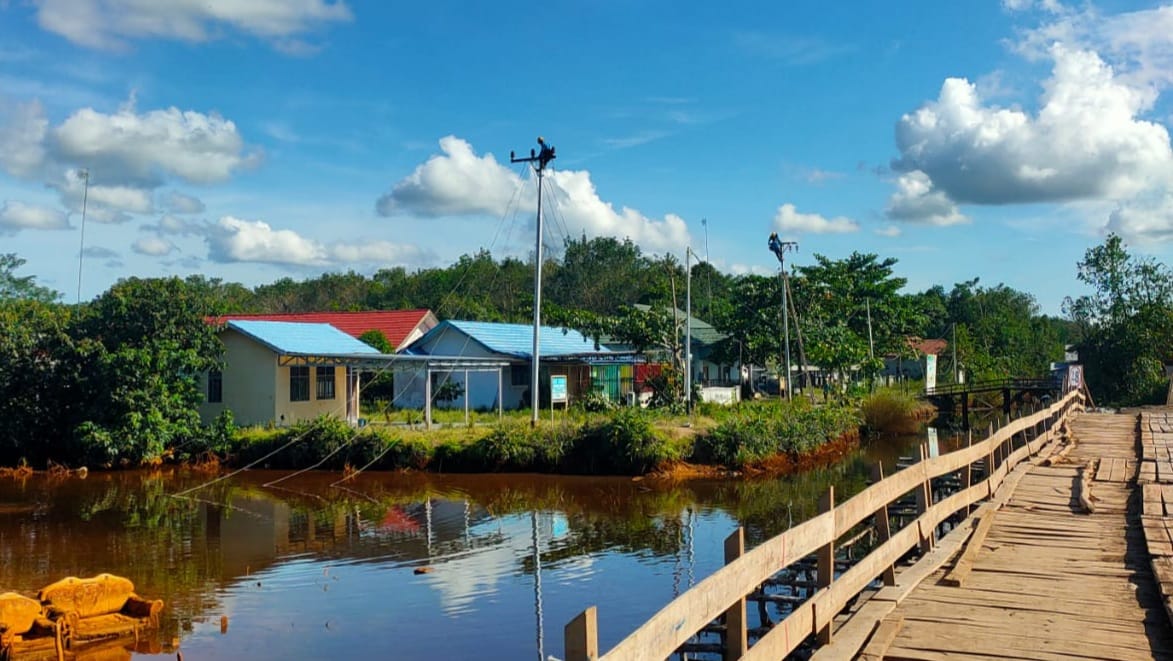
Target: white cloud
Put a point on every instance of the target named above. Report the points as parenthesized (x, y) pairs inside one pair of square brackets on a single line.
[(890, 231), (153, 246), (788, 220), (916, 201), (22, 138), (109, 24), (1085, 142), (1144, 220), (237, 240), (177, 202), (129, 147), (458, 182), (16, 216), (99, 252), (751, 269), (169, 224)]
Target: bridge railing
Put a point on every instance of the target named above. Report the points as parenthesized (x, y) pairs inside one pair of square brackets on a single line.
[(994, 384), (724, 593)]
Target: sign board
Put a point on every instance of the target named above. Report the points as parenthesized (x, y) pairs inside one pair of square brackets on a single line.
[(930, 372), (934, 444), (558, 388), (1074, 377)]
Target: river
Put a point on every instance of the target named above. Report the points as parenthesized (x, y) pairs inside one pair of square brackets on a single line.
[(395, 565)]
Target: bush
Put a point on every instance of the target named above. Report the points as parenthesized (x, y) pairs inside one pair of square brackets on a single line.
[(626, 443), (760, 430), (892, 412)]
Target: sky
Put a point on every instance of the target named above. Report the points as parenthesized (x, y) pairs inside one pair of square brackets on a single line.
[(251, 140)]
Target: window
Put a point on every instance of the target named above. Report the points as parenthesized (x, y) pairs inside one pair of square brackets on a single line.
[(215, 387), (299, 383), (325, 379), (519, 375)]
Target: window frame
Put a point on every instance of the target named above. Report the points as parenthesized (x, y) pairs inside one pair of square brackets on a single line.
[(299, 383), (321, 384), (215, 387)]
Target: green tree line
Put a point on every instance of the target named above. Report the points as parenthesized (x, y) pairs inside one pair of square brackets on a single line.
[(115, 379)]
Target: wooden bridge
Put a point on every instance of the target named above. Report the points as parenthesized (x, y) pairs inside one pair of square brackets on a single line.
[(1035, 543), (1012, 389)]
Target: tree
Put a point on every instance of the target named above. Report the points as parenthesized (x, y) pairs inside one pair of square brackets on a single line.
[(24, 287)]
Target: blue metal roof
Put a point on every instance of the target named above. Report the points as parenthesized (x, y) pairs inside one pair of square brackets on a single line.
[(286, 337), (518, 339)]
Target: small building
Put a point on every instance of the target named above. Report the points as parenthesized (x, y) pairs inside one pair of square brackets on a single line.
[(563, 352), (911, 366), (279, 372)]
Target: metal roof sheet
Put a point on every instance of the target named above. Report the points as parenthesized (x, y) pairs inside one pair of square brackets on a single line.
[(395, 324), (286, 337), (517, 339)]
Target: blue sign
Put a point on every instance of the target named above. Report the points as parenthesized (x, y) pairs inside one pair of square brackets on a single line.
[(557, 387)]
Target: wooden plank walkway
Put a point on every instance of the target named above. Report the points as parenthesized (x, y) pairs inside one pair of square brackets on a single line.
[(1051, 581)]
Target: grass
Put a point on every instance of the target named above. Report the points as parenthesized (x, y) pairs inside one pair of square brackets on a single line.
[(890, 411)]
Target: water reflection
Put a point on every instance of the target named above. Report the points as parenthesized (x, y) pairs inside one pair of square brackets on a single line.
[(396, 565)]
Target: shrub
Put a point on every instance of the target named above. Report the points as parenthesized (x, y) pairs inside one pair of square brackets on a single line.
[(760, 430), (888, 411), (626, 443)]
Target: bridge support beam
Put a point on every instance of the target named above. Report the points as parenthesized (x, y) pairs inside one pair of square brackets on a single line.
[(965, 411), (1006, 401)]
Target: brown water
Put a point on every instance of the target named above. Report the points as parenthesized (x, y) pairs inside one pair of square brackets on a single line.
[(306, 570)]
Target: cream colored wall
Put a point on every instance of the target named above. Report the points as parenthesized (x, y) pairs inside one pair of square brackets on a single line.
[(287, 412), (249, 382)]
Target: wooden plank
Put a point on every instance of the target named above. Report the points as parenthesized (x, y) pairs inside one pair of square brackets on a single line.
[(581, 636), (882, 639), (736, 636), (855, 633), (956, 576), (1152, 501)]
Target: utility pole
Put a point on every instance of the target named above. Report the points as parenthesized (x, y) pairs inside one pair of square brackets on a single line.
[(956, 372), (81, 252), (688, 330), (780, 248), (871, 347), (538, 162)]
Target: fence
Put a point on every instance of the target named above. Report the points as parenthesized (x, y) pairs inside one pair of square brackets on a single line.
[(723, 594)]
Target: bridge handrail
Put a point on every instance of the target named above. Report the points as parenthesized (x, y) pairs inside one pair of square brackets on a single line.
[(993, 384), (725, 590)]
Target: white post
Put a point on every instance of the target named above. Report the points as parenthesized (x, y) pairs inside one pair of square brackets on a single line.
[(537, 309), (688, 331)]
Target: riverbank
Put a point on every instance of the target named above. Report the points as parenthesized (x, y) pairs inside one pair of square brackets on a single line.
[(757, 437)]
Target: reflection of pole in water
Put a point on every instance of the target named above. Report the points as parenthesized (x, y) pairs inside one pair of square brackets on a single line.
[(538, 585), (691, 549), (467, 512), (428, 523)]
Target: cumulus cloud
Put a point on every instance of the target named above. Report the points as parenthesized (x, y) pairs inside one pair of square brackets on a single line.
[(890, 231), (177, 202), (788, 219), (1085, 142), (916, 201), (169, 224), (110, 24), (127, 146), (453, 183), (16, 216), (1144, 220), (459, 182), (22, 138), (237, 240), (153, 246)]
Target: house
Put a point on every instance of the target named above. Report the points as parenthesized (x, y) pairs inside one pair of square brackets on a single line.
[(912, 364), (401, 327), (563, 352), (280, 372), (706, 369)]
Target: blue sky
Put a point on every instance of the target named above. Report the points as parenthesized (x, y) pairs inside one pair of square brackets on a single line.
[(255, 139)]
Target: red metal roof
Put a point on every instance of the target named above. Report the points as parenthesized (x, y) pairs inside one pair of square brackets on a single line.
[(397, 325)]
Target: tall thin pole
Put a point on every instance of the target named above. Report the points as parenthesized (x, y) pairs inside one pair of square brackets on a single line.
[(81, 252), (688, 329), (786, 334), (871, 347), (956, 372), (541, 159), (779, 248)]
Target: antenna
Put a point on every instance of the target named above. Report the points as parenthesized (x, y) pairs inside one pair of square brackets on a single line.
[(538, 162)]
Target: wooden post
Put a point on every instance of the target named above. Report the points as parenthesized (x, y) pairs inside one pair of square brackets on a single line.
[(826, 569), (924, 499), (883, 525), (736, 636), (581, 636)]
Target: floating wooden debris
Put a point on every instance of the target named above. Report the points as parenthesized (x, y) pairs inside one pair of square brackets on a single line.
[(72, 616)]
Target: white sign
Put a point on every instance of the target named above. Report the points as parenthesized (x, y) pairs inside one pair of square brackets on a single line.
[(934, 446), (930, 372)]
